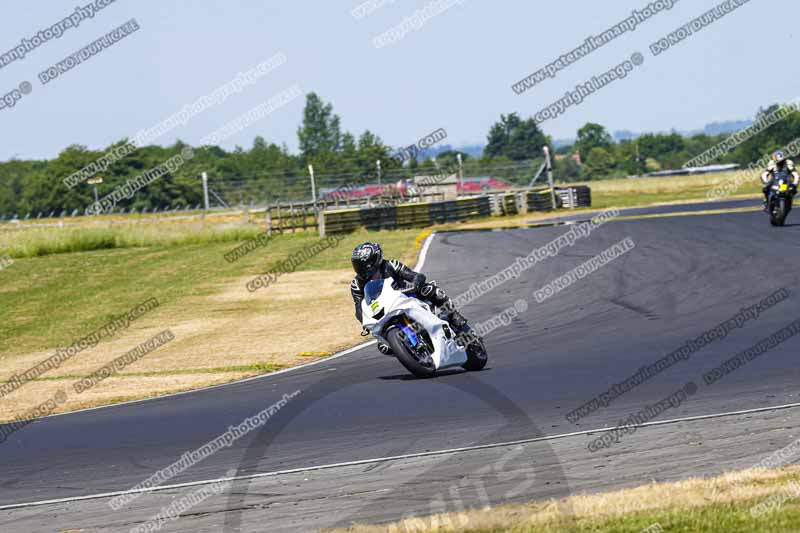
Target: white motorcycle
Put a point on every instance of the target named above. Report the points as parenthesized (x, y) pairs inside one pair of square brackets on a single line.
[(423, 342)]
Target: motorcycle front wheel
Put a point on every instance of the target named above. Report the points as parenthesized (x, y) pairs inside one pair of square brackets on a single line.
[(774, 213), (783, 212), (395, 339)]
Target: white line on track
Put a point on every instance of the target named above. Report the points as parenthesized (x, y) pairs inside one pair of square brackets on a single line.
[(423, 254), (388, 459)]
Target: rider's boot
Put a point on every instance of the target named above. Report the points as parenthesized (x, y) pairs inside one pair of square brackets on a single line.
[(431, 293), (461, 328), (457, 321)]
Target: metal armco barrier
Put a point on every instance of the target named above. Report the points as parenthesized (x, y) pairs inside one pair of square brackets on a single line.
[(541, 201), (509, 205), (421, 214), (403, 216), (568, 197), (572, 197)]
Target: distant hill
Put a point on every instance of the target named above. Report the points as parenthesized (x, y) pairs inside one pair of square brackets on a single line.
[(715, 128), (558, 143), (474, 150), (625, 135)]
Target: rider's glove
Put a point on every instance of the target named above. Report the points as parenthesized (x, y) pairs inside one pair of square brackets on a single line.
[(385, 349), (418, 281)]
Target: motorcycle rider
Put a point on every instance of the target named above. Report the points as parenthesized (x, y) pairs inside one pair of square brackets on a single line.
[(369, 264), (780, 164)]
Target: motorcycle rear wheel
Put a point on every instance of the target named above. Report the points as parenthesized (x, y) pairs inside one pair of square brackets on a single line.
[(477, 357)]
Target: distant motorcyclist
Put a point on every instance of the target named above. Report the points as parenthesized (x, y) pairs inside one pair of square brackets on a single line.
[(369, 264), (780, 165)]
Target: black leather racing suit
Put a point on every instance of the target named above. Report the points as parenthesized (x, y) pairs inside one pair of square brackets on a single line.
[(428, 291), (786, 169)]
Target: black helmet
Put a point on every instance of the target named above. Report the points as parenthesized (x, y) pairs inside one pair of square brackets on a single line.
[(779, 157), (366, 259)]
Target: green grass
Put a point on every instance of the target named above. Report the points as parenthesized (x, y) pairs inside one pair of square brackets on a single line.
[(602, 200), (647, 191), (701, 505), (719, 518), (37, 242), (728, 518), (47, 301)]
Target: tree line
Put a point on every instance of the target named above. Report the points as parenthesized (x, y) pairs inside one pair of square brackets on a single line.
[(267, 172)]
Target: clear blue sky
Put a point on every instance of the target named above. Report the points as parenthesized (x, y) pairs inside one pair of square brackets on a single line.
[(455, 72)]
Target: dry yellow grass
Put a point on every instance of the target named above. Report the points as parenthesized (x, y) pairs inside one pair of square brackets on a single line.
[(215, 336), (743, 488), (649, 191), (224, 334)]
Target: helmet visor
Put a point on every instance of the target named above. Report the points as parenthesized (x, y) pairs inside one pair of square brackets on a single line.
[(365, 268)]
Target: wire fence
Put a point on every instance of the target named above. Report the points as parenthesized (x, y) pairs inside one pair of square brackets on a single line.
[(267, 189)]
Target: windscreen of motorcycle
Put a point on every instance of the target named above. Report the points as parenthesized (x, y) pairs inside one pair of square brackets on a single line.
[(373, 290)]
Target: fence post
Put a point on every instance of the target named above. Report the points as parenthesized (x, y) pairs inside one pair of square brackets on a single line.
[(269, 220), (550, 177)]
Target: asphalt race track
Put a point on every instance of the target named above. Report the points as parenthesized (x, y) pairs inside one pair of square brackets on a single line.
[(739, 204), (685, 275)]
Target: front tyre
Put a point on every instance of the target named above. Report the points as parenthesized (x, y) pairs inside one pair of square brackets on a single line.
[(782, 211), (774, 214), (395, 339)]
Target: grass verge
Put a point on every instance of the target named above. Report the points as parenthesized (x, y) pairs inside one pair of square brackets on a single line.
[(222, 331), (753, 500), (648, 191), (33, 241)]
